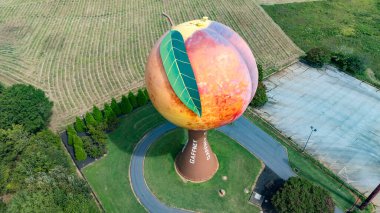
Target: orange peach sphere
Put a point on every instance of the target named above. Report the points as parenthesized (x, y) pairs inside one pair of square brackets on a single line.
[(225, 71)]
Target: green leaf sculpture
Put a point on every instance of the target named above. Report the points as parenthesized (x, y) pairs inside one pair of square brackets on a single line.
[(179, 71)]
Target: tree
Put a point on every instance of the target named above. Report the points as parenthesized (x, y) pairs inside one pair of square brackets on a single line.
[(132, 100), (2, 88), (260, 97), (78, 141), (12, 143), (79, 152), (23, 155), (70, 129), (141, 98), (115, 107), (125, 105), (70, 138), (24, 105), (109, 115), (97, 114), (298, 195), (42, 154), (70, 134), (90, 120), (58, 190), (79, 125), (146, 94)]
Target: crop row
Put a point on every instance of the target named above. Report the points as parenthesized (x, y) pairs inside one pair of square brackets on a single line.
[(84, 52)]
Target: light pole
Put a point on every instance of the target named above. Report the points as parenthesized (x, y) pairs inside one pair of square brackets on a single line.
[(370, 197), (312, 130)]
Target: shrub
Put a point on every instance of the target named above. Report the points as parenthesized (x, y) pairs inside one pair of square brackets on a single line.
[(79, 125), (90, 120), (97, 114), (132, 99), (146, 94), (70, 138), (3, 207), (260, 71), (299, 195), (97, 135), (71, 133), (317, 57), (77, 141), (349, 63), (24, 105), (70, 129), (109, 114), (79, 152), (93, 149), (260, 97), (2, 88), (125, 105), (115, 107), (141, 98), (110, 117)]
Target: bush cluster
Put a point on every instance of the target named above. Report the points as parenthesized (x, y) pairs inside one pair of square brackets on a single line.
[(96, 122), (349, 63), (260, 97), (317, 57), (300, 195)]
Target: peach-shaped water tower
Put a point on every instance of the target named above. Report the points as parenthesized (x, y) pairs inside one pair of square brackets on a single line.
[(200, 75)]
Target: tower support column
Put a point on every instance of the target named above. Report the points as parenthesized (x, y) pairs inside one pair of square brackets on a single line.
[(197, 162)]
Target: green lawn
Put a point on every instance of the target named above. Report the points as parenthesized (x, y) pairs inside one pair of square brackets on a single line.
[(348, 26), (308, 168), (109, 177), (240, 166)]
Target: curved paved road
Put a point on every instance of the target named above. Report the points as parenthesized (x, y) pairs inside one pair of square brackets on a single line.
[(243, 131)]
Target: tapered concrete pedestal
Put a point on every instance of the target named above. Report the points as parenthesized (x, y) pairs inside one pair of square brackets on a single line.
[(196, 163)]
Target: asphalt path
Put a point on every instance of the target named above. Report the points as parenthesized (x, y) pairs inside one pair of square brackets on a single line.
[(252, 138), (260, 144)]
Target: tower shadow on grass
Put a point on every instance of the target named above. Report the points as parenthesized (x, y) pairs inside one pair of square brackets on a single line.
[(178, 135)]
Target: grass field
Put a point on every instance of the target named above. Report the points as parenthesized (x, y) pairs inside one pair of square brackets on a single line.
[(85, 52), (305, 167), (338, 25), (109, 177), (240, 166)]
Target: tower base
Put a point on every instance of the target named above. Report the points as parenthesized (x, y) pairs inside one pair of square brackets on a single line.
[(196, 163)]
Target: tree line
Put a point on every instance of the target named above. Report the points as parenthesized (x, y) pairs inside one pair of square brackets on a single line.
[(35, 173), (95, 124)]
